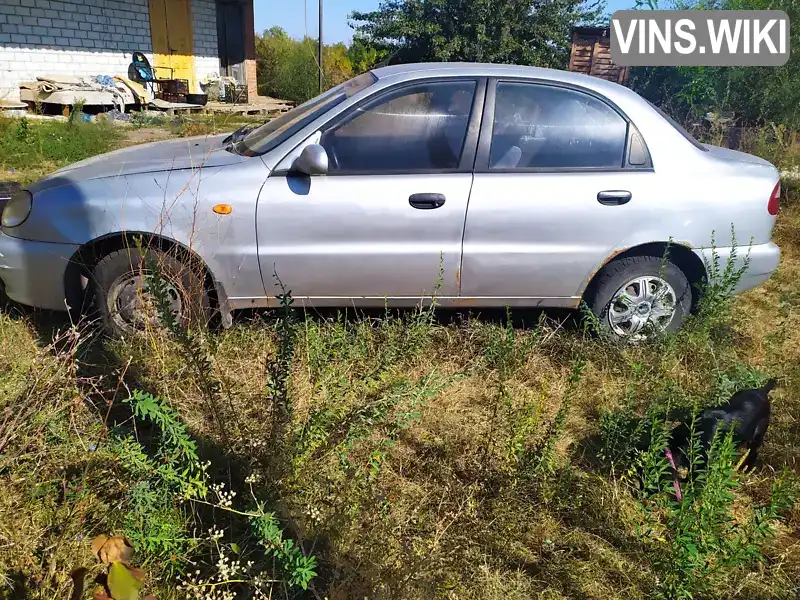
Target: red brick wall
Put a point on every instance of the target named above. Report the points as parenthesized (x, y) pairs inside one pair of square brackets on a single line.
[(250, 50)]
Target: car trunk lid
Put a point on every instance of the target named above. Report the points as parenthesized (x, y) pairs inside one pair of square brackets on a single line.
[(729, 155)]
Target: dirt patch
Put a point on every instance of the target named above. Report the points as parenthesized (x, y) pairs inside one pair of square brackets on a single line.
[(144, 135)]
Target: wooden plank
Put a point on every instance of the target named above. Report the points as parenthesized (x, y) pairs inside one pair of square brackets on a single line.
[(591, 55)]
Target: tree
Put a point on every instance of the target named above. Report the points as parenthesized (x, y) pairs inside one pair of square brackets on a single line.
[(272, 51), (363, 55), (753, 94), (337, 65), (289, 68), (528, 32)]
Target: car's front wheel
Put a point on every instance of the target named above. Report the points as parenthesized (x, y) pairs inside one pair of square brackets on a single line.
[(638, 296), (127, 301)]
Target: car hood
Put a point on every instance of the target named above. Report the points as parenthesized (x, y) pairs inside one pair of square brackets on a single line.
[(736, 156), (185, 153)]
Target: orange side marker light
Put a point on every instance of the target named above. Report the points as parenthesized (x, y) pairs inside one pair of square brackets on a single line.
[(223, 209)]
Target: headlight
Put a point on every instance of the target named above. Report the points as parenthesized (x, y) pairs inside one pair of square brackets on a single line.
[(17, 209)]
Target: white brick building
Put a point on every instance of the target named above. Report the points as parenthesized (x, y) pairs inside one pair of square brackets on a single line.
[(97, 37)]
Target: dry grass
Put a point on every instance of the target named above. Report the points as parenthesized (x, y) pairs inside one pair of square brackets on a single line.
[(443, 506), (29, 152)]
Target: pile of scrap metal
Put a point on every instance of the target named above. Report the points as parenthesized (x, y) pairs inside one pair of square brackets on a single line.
[(101, 90)]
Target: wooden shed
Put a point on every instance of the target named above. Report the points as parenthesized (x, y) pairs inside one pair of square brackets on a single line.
[(591, 54)]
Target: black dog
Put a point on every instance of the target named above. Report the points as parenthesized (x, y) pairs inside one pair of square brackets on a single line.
[(747, 413)]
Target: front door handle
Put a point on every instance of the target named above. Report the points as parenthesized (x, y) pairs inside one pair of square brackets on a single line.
[(426, 201), (614, 197)]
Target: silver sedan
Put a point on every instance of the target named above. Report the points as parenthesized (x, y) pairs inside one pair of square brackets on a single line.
[(479, 185)]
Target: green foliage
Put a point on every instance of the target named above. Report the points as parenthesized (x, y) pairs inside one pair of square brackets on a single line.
[(301, 569), (140, 119), (541, 462), (154, 523), (754, 95), (23, 130), (705, 543), (651, 464), (620, 433), (196, 352), (530, 32), (363, 55), (279, 368), (738, 377), (176, 437), (75, 112), (697, 542), (374, 424), (24, 142), (716, 294), (505, 352), (289, 68), (395, 414), (286, 68), (160, 526)]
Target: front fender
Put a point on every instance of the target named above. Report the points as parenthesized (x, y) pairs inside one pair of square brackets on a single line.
[(174, 205)]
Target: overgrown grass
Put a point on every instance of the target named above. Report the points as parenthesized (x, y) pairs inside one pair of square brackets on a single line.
[(186, 125), (32, 148), (402, 456), (42, 146)]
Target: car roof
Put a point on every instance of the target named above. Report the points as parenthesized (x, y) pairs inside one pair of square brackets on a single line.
[(455, 69)]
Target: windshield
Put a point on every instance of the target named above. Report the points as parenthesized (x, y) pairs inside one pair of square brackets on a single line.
[(680, 129), (274, 132)]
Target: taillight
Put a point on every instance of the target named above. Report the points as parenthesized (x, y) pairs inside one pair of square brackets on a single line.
[(774, 204)]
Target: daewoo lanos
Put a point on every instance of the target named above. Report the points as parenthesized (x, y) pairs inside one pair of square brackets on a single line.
[(487, 185)]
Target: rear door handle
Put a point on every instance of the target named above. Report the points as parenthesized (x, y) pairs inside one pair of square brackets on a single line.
[(614, 197), (426, 201)]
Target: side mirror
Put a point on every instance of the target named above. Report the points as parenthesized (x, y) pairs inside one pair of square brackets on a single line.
[(313, 160)]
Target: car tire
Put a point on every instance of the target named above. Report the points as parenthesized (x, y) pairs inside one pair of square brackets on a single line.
[(646, 285), (120, 293)]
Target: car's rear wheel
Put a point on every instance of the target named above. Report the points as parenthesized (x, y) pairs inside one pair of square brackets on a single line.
[(639, 296), (125, 297)]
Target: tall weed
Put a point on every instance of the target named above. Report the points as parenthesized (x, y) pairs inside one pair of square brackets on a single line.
[(159, 521)]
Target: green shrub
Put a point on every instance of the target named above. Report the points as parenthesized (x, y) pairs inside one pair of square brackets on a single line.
[(24, 142), (703, 543), (289, 68), (753, 95)]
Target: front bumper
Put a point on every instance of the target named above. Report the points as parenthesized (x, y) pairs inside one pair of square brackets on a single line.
[(32, 273), (763, 260)]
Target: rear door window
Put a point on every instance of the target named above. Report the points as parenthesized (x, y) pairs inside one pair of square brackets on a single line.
[(548, 127)]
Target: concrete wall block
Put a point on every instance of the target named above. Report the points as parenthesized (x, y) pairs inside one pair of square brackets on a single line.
[(88, 37)]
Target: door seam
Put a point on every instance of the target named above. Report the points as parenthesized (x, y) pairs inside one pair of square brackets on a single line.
[(460, 272)]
